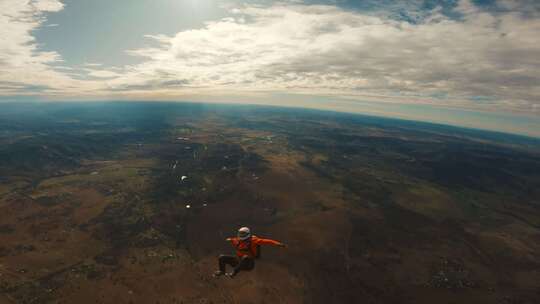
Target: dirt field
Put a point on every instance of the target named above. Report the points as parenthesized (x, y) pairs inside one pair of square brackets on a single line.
[(370, 213)]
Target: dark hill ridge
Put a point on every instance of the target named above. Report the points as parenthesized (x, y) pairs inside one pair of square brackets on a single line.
[(130, 203)]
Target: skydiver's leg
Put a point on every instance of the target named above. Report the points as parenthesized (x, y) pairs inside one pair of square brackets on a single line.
[(246, 263), (226, 260)]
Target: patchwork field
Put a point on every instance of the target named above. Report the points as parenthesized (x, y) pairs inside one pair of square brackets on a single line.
[(131, 203)]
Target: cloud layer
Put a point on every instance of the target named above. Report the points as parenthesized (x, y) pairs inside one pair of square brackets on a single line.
[(475, 59), (24, 68)]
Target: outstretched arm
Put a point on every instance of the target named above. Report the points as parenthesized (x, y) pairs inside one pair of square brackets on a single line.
[(270, 242)]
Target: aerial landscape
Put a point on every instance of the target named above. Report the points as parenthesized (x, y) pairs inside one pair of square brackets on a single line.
[(270, 152), (95, 209)]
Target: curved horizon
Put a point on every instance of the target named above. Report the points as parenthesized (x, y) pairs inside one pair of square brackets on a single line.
[(466, 63)]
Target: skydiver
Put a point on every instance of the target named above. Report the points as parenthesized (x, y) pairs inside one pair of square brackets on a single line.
[(247, 250)]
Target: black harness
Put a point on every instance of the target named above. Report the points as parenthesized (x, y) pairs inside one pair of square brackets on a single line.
[(247, 249)]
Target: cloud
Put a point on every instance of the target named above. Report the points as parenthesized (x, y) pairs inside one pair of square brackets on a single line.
[(473, 57), (18, 50), (320, 49), (23, 66), (102, 73)]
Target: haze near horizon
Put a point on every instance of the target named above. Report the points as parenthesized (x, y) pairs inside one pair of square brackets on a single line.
[(466, 63)]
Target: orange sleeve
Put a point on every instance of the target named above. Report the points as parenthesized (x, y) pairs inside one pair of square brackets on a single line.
[(267, 242)]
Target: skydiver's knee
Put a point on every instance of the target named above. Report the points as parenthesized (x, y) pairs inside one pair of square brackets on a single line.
[(247, 263)]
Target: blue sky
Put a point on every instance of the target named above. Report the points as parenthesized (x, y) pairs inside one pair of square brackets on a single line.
[(461, 62)]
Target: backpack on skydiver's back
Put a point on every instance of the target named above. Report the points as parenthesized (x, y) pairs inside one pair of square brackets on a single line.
[(257, 251)]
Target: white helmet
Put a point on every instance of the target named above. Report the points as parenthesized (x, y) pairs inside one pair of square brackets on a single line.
[(244, 233)]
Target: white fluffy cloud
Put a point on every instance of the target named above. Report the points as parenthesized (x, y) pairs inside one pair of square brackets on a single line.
[(24, 68), (487, 60), (479, 60), (20, 62)]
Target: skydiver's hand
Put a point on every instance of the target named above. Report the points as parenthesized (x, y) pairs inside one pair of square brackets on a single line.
[(282, 245), (228, 239)]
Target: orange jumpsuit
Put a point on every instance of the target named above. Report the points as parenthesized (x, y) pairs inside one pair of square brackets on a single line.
[(249, 248), (246, 252)]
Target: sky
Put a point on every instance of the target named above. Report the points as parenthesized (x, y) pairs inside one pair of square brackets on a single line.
[(460, 62)]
